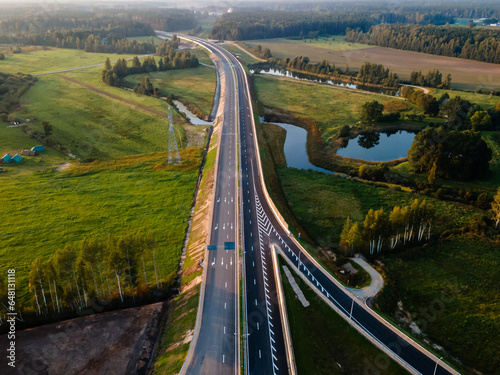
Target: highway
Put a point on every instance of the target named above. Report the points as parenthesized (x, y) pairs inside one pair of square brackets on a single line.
[(261, 226), (214, 349)]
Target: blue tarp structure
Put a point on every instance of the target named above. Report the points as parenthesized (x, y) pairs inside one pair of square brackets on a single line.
[(7, 158), (39, 148), (17, 158)]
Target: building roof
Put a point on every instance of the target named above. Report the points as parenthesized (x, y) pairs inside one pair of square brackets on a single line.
[(6, 158), (17, 158), (38, 148)]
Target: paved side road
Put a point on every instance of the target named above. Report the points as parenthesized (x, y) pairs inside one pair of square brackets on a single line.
[(376, 284)]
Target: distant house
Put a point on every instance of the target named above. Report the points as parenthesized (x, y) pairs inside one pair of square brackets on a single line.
[(29, 153), (17, 158), (38, 148), (6, 158)]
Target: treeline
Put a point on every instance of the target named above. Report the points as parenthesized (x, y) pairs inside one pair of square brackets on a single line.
[(115, 269), (278, 24), (369, 73), (171, 59), (12, 87), (401, 227), (130, 22), (467, 43), (433, 78), (87, 41), (377, 74)]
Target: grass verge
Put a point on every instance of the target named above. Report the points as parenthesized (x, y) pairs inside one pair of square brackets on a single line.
[(324, 343)]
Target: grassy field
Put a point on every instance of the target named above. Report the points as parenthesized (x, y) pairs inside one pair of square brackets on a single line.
[(129, 188), (282, 47), (451, 290), (330, 107), (196, 85), (485, 101), (47, 209), (53, 59), (466, 74), (324, 343), (94, 126), (322, 203), (156, 40)]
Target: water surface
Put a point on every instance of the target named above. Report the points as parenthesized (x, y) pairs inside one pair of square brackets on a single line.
[(377, 146)]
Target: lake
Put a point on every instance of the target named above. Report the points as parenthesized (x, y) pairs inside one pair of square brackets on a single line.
[(295, 148), (378, 146)]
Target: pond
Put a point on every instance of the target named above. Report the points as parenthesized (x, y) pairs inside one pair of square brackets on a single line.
[(313, 78), (295, 148), (378, 146), (190, 115)]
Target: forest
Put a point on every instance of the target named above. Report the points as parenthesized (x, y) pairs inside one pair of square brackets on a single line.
[(98, 31), (273, 24), (466, 43)]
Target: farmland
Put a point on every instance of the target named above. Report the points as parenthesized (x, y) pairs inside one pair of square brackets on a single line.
[(466, 74)]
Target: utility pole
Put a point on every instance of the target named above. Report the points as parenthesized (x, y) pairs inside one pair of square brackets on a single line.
[(173, 149)]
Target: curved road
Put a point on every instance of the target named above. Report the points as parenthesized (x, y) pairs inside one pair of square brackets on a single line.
[(261, 227)]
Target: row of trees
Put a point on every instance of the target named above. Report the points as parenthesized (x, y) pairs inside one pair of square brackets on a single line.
[(475, 44), (101, 270), (112, 75), (433, 78), (377, 74), (427, 102), (369, 73), (402, 226)]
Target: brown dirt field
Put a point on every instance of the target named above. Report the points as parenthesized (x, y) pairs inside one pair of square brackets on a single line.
[(465, 74), (128, 102), (111, 343)]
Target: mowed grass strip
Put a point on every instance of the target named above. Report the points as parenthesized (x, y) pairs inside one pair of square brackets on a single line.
[(324, 343), (46, 210)]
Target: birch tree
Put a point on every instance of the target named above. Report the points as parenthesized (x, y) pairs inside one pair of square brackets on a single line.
[(495, 208)]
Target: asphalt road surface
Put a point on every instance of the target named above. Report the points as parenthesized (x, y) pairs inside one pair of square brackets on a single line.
[(260, 228)]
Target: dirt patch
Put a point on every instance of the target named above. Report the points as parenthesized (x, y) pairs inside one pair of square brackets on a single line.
[(128, 102), (118, 342)]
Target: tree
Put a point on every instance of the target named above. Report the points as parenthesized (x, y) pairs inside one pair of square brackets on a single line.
[(495, 208), (135, 62), (453, 154), (371, 111), (47, 128), (2, 56), (457, 110), (480, 120), (107, 64)]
